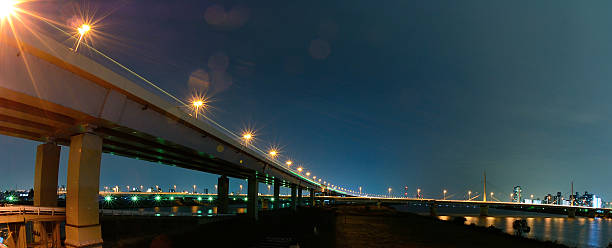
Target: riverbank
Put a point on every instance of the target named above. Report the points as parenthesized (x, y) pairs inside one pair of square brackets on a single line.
[(339, 226)]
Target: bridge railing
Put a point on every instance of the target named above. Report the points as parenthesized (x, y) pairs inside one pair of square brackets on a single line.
[(29, 210)]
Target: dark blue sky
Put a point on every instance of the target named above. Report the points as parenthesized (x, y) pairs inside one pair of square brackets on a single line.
[(378, 93)]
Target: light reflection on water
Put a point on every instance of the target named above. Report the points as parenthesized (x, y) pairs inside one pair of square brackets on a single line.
[(575, 232), (580, 231)]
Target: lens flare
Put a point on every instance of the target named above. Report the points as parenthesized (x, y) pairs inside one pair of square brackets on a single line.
[(7, 8), (83, 30)]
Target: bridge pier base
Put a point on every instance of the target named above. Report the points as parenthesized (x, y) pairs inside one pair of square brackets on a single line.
[(294, 197), (277, 200), (571, 213), (222, 195), (433, 209), (252, 197), (484, 210), (82, 220)]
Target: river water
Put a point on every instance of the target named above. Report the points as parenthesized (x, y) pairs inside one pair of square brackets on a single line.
[(580, 232)]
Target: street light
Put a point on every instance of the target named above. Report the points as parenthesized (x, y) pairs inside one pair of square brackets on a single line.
[(7, 8), (83, 29), (197, 103), (389, 192), (307, 174), (194, 188), (444, 194), (360, 190), (289, 162), (273, 153), (418, 193), (300, 169)]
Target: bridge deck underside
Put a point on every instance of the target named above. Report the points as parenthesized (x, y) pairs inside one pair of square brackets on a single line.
[(26, 117)]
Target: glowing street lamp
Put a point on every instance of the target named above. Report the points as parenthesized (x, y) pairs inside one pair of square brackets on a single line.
[(7, 8), (247, 137), (307, 174), (197, 104), (83, 29), (419, 193), (469, 195), (289, 162), (389, 190), (300, 169), (273, 153)]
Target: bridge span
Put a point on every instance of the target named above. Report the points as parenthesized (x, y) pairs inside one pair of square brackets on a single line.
[(50, 94), (433, 204)]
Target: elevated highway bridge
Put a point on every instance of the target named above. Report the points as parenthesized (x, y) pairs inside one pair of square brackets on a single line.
[(50, 94)]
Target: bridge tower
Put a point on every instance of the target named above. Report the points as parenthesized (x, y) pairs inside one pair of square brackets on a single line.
[(484, 195)]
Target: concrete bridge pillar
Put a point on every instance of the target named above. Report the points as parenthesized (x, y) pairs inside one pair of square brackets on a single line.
[(300, 200), (433, 209), (277, 200), (222, 195), (45, 183), (45, 175), (571, 213), (312, 197), (484, 210), (252, 197), (294, 197), (82, 220)]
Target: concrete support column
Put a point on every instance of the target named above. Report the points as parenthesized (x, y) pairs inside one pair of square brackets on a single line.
[(294, 197), (433, 209), (45, 183), (45, 175), (484, 210), (222, 195), (312, 197), (82, 220), (300, 200), (252, 197), (277, 200), (571, 213)]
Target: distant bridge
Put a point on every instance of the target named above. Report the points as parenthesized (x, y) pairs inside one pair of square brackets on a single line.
[(433, 204)]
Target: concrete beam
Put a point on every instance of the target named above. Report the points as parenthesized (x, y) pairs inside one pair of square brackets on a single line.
[(45, 175), (253, 189), (294, 197), (277, 201), (222, 195), (571, 213), (484, 210), (82, 221), (433, 209), (300, 200), (312, 197)]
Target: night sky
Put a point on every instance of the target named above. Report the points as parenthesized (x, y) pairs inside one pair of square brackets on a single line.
[(376, 94)]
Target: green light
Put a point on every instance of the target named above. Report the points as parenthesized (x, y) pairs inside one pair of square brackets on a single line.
[(108, 198), (10, 198), (272, 199), (246, 199), (171, 197), (210, 198), (134, 198), (157, 198), (199, 198)]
